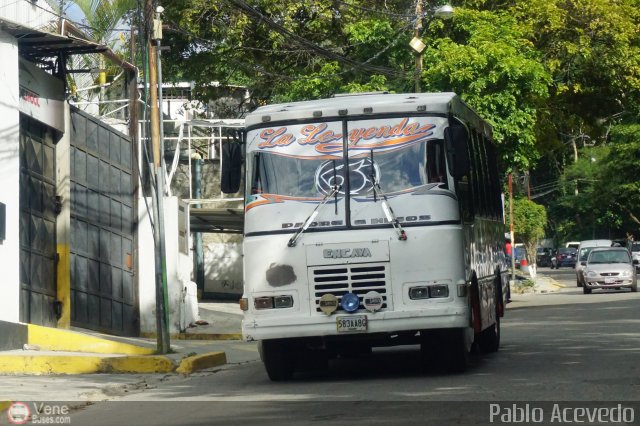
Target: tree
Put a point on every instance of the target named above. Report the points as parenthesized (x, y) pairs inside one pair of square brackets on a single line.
[(600, 193), (619, 182), (529, 222), (489, 61), (100, 23)]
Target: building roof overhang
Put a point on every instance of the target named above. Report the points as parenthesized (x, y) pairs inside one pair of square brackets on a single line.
[(58, 38)]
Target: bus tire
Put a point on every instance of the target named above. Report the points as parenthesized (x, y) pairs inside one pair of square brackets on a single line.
[(445, 350), (489, 339), (456, 351), (278, 358)]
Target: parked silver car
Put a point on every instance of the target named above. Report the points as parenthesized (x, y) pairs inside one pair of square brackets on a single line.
[(609, 267), (635, 252), (583, 252)]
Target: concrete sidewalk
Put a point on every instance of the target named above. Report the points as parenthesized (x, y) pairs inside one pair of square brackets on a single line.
[(540, 284), (78, 351)]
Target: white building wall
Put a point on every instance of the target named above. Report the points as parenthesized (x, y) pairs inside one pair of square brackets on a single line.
[(223, 269), (36, 15), (10, 178), (180, 288)]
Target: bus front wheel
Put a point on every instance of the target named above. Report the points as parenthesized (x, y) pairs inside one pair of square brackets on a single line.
[(446, 350), (277, 356)]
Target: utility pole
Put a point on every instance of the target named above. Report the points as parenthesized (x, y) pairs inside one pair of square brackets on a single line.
[(197, 236), (511, 234), (416, 35), (162, 322), (575, 157)]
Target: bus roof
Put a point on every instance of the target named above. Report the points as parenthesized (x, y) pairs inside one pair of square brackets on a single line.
[(362, 104)]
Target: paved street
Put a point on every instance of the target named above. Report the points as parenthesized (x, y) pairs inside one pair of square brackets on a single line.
[(556, 347)]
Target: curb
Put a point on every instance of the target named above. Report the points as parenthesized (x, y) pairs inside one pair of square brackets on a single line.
[(197, 336), (80, 364), (64, 364), (4, 405), (201, 362), (55, 339)]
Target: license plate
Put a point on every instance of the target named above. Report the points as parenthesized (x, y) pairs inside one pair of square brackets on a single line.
[(610, 280), (351, 323)]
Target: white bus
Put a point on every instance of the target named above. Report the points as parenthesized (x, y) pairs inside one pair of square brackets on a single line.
[(371, 220)]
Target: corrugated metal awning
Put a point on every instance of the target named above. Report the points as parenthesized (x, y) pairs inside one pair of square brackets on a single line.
[(60, 38)]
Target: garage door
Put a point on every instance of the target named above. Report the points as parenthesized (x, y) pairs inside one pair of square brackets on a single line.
[(103, 290), (37, 223)]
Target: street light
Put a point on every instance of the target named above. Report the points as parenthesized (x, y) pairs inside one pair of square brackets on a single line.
[(443, 12)]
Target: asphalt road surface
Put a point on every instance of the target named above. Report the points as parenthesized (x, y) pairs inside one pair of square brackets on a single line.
[(560, 351)]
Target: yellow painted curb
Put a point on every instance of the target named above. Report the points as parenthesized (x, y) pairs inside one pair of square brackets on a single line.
[(4, 405), (197, 336), (40, 365), (200, 362), (53, 339), (138, 364), (61, 364)]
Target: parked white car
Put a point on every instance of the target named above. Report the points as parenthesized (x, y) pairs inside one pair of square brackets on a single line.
[(609, 267), (584, 249), (635, 252)]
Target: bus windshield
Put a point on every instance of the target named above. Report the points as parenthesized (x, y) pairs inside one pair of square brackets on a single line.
[(295, 170), (396, 171)]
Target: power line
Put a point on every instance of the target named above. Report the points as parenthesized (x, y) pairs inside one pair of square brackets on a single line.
[(250, 11), (376, 11), (399, 34)]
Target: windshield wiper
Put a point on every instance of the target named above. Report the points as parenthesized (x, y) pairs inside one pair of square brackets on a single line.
[(333, 193), (386, 207)]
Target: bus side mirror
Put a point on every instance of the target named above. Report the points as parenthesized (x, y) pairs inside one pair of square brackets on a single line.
[(231, 172), (456, 138)]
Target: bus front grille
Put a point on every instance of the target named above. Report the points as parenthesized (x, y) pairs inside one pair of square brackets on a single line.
[(358, 279)]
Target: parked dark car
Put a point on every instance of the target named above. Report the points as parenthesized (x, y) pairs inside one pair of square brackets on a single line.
[(543, 256), (564, 257)]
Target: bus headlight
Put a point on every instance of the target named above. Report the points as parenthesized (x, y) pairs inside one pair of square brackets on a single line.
[(435, 291), (263, 303), (416, 293), (439, 291), (269, 302), (350, 302), (282, 302)]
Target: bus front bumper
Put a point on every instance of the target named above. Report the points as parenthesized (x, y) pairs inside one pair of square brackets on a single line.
[(263, 327)]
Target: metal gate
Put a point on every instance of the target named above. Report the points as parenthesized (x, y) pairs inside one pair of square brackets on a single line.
[(37, 223), (103, 291)]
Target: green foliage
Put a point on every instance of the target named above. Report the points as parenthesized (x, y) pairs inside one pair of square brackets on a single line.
[(542, 72), (529, 222), (103, 16), (600, 193), (498, 72), (523, 286)]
